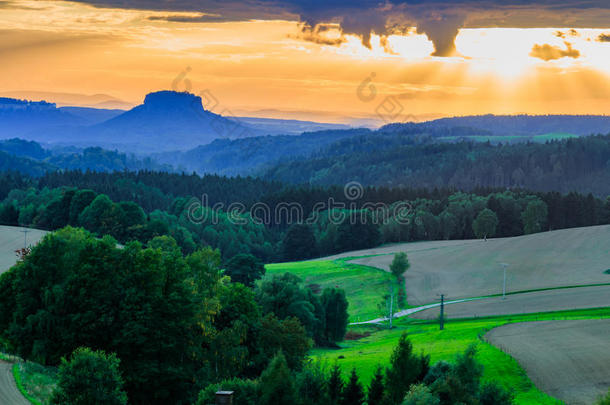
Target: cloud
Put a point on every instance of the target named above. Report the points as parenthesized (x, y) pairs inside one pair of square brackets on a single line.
[(324, 34), (548, 52), (603, 38), (440, 20)]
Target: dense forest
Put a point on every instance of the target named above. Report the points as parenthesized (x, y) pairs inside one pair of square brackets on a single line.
[(142, 205), (581, 164)]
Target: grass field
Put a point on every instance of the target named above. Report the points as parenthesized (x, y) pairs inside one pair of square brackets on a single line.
[(364, 286), (11, 239), (366, 353), (465, 269)]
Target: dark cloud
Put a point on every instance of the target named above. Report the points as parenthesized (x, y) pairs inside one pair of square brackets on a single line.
[(603, 38), (548, 52), (440, 20)]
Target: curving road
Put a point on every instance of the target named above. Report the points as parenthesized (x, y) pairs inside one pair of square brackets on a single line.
[(9, 394)]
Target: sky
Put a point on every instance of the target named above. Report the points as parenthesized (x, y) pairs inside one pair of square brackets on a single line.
[(333, 61)]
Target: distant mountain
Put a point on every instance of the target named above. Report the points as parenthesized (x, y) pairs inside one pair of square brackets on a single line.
[(19, 118), (102, 101), (92, 116), (167, 120), (272, 126), (527, 125)]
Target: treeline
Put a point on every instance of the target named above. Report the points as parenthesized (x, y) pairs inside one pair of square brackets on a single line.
[(138, 211), (409, 379), (580, 164), (176, 323), (31, 158)]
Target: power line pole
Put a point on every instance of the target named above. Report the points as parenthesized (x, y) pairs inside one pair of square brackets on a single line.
[(391, 304), (25, 233), (442, 316)]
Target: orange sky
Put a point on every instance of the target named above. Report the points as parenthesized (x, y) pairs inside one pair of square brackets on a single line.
[(268, 68)]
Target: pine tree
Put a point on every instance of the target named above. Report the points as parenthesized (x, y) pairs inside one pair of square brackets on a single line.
[(335, 385), (375, 393), (276, 383), (353, 393), (404, 370)]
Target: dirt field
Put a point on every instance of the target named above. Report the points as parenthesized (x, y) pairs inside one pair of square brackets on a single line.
[(568, 360), (463, 269), (526, 303), (11, 239)]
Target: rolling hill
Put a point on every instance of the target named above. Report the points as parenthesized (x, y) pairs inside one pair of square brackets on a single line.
[(470, 268)]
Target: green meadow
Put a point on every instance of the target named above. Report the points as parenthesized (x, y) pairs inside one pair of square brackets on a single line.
[(364, 286), (374, 349)]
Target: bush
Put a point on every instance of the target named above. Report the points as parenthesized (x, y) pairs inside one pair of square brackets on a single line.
[(90, 377), (420, 394), (492, 394)]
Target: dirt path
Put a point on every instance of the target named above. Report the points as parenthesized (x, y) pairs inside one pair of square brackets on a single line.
[(9, 394), (568, 360), (526, 303)]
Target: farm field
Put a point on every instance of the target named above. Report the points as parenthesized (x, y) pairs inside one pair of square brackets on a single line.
[(538, 301), (11, 239), (364, 286), (566, 359), (376, 346), (465, 269)]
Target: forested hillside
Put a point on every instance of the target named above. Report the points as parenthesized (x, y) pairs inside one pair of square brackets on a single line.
[(581, 164), (31, 158)]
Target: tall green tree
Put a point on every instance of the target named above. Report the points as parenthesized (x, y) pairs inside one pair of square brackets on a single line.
[(485, 224), (335, 385), (89, 377), (404, 370), (376, 388), (245, 268), (311, 385), (353, 393), (400, 264), (335, 309), (535, 217), (284, 296), (299, 243), (276, 383)]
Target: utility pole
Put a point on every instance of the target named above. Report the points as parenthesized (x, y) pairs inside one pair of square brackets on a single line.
[(391, 304), (442, 316), (25, 240), (504, 266)]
